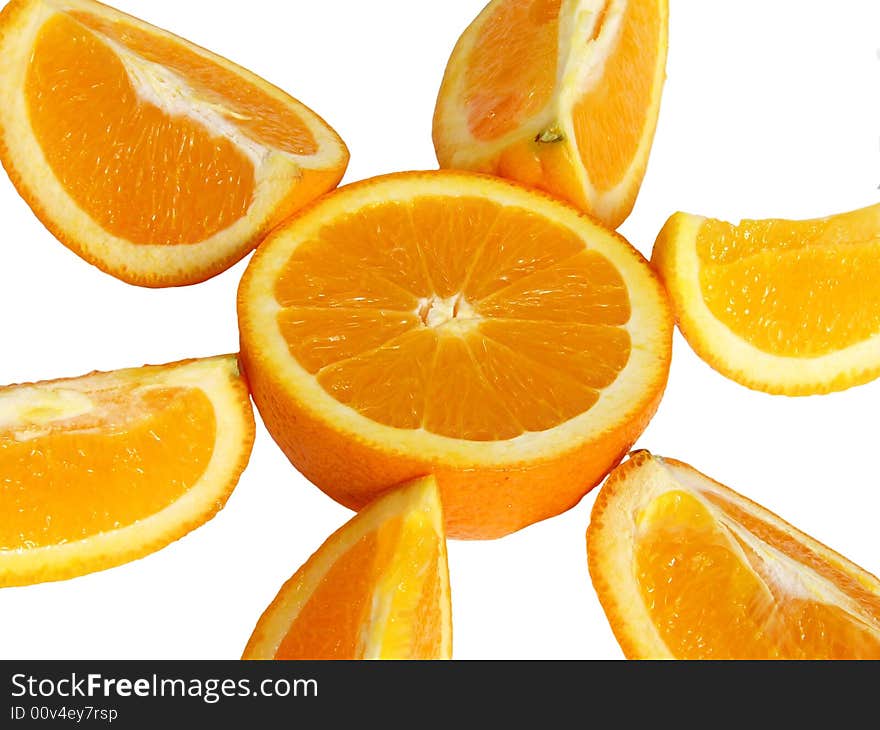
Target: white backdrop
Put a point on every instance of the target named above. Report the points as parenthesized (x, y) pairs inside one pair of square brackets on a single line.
[(770, 109)]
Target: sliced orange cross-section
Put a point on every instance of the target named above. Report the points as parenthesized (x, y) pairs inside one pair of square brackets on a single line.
[(453, 324), (788, 307), (378, 588), (563, 95), (686, 568), (154, 159), (102, 469)]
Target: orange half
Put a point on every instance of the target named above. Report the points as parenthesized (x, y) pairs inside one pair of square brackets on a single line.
[(378, 588), (106, 468), (686, 568), (459, 325), (562, 95), (156, 160)]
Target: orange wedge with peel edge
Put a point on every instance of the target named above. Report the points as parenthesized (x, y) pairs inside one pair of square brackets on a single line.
[(787, 307), (106, 468), (153, 159), (459, 325), (686, 568), (562, 95), (377, 589)]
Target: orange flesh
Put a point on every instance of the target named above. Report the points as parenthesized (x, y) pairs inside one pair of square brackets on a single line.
[(76, 480), (456, 316), (512, 67), (124, 161), (609, 120), (683, 554), (816, 283), (331, 624)]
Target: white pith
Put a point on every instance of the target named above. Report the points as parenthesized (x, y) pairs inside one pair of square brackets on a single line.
[(583, 49), (417, 501), (219, 379), (648, 327), (275, 171), (454, 314), (612, 544)]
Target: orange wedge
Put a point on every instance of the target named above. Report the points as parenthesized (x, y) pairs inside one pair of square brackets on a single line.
[(153, 159), (686, 568), (790, 307), (106, 468), (453, 324), (378, 588), (562, 95)]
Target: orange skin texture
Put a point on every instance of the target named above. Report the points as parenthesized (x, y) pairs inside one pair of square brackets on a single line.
[(667, 257), (550, 168), (547, 166), (312, 184), (516, 151)]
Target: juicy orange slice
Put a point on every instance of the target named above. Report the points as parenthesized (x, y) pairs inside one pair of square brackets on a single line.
[(106, 468), (781, 306), (157, 161), (378, 588), (454, 324), (686, 568), (562, 95)]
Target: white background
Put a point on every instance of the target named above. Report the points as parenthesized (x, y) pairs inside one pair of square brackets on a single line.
[(770, 109)]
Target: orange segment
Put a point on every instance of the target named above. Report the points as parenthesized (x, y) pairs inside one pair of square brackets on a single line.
[(686, 568), (327, 626), (784, 306), (585, 288), (265, 118), (592, 355), (150, 157), (384, 245), (105, 468), (773, 268), (560, 96), (343, 280), (208, 176), (378, 588), (422, 322), (477, 226), (520, 245)]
